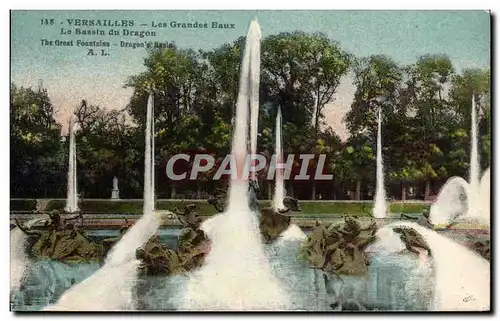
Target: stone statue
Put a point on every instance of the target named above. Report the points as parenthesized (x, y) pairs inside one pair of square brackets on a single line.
[(66, 244), (339, 248), (191, 237), (115, 193), (219, 200), (412, 239), (193, 245), (39, 238), (273, 222), (74, 246), (157, 259)]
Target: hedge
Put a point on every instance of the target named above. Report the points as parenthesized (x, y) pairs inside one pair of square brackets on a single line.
[(23, 205), (307, 207)]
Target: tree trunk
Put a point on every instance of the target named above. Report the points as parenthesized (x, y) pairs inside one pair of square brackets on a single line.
[(403, 192), (172, 193), (292, 192), (313, 194), (198, 190), (269, 190), (358, 190), (427, 193)]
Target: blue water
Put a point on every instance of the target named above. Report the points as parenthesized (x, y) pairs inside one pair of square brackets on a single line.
[(393, 282)]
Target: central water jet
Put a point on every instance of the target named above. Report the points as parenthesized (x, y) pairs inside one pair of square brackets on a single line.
[(236, 274)]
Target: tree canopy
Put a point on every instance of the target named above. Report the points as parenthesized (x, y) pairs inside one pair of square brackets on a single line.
[(426, 108)]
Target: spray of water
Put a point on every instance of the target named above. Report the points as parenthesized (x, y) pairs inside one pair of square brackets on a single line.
[(19, 260), (279, 191), (451, 203), (474, 161), (72, 190), (380, 208), (387, 242), (236, 274), (148, 205), (254, 97), (293, 232), (111, 287), (458, 198), (484, 197), (462, 277)]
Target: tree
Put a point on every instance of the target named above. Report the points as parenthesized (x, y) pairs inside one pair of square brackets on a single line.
[(107, 147), (429, 120), (355, 163), (36, 154), (463, 86), (377, 80)]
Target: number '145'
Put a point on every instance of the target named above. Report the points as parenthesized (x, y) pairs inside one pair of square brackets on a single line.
[(47, 22)]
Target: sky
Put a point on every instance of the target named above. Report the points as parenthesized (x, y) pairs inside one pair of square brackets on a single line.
[(70, 75)]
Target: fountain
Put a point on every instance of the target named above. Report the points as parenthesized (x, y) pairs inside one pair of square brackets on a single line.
[(19, 260), (380, 208), (461, 199), (484, 196), (111, 288), (462, 277), (293, 232), (254, 101), (451, 202), (72, 194), (236, 274), (475, 169), (279, 190)]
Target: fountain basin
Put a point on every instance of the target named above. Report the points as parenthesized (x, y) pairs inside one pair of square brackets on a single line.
[(393, 282)]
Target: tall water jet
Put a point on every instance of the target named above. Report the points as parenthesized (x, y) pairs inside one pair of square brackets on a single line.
[(111, 287), (462, 277), (474, 154), (148, 205), (380, 208), (246, 282), (474, 170), (254, 99), (279, 190), (239, 184), (72, 191)]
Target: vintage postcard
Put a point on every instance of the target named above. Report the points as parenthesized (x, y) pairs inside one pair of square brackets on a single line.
[(329, 161)]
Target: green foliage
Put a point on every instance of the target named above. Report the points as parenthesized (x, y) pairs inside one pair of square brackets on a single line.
[(425, 108), (35, 148), (22, 205)]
